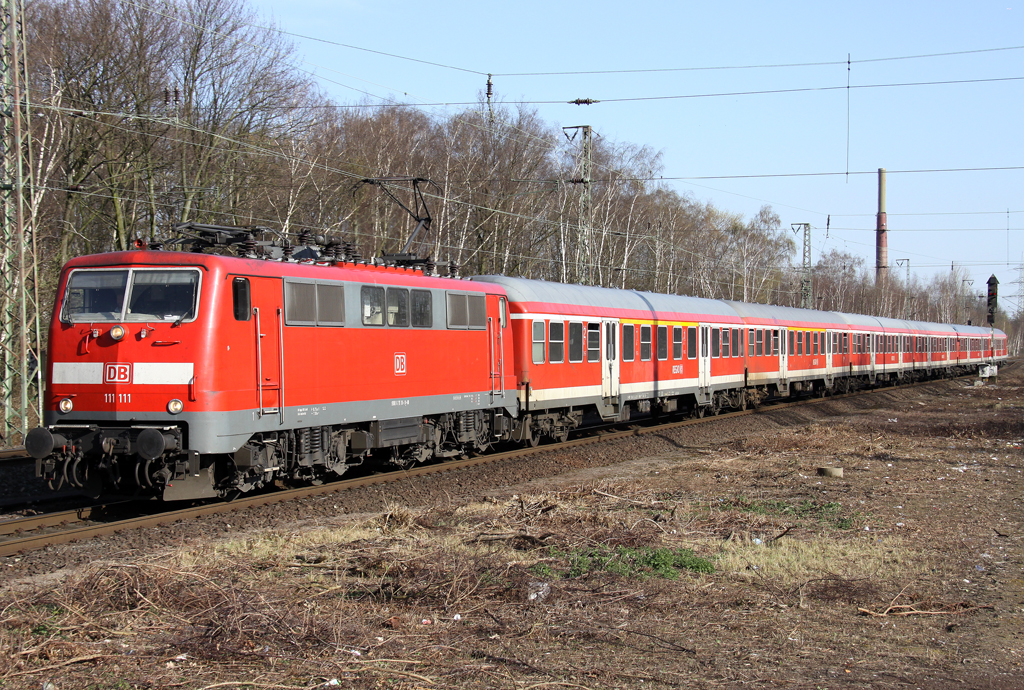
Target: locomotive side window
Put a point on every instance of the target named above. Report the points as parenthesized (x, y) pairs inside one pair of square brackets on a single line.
[(575, 341), (458, 310), (593, 342), (662, 343), (299, 303), (645, 343), (330, 304), (422, 309), (677, 342), (628, 344), (556, 341), (477, 310), (691, 342), (715, 340), (372, 300), (398, 307), (538, 342), (241, 300)]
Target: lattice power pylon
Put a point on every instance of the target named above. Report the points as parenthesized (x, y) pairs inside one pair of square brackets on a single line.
[(20, 338)]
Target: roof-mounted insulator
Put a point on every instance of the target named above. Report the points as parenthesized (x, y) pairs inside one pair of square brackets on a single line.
[(584, 101)]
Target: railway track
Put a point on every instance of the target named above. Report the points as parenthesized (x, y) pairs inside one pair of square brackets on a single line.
[(17, 541)]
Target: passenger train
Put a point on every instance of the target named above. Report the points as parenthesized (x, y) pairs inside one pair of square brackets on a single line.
[(184, 375)]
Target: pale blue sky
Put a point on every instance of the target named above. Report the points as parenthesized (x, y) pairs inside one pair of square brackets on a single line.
[(900, 128)]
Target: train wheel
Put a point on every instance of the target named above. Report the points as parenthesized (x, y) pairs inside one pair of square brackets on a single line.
[(534, 439), (562, 436), (700, 411), (743, 400)]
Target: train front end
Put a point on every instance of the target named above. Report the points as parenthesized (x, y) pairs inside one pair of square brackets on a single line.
[(125, 343)]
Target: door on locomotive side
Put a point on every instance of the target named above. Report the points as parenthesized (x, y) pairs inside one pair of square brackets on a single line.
[(610, 362), (496, 343), (268, 334)]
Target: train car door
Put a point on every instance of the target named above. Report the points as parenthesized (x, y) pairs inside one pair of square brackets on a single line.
[(610, 363), (704, 364), (268, 332), (828, 354), (783, 356)]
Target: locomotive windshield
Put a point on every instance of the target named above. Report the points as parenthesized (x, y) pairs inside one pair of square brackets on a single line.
[(152, 295)]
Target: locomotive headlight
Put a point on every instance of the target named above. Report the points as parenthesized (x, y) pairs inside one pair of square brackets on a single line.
[(175, 406), (117, 332), (65, 405)]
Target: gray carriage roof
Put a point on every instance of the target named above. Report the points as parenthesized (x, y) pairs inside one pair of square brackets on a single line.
[(597, 298), (544, 292)]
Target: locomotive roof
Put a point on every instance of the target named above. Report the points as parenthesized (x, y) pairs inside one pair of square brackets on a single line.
[(539, 295), (310, 270)]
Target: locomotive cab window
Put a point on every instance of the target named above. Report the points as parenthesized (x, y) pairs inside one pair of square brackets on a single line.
[(241, 299), (131, 295), (372, 300)]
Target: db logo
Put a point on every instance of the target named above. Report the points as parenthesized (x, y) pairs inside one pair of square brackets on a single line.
[(399, 364), (117, 372)]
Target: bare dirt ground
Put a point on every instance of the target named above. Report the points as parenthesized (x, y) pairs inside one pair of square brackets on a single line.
[(710, 556)]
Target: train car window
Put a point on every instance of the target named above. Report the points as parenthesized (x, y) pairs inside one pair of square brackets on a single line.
[(556, 341), (750, 342), (736, 342), (715, 342), (760, 342), (609, 341), (814, 340), (677, 342), (538, 342), (725, 342), (330, 304), (799, 350), (398, 307), (846, 343), (691, 342), (372, 302), (241, 299), (477, 307), (628, 346), (775, 341), (575, 341), (792, 342), (645, 343), (662, 343), (593, 342), (422, 309), (503, 311), (299, 303)]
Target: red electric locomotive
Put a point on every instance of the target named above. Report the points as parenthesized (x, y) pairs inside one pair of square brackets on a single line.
[(187, 375)]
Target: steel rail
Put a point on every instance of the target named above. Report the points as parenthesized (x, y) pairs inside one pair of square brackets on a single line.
[(31, 542)]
